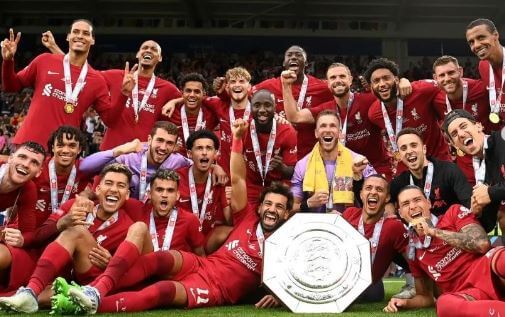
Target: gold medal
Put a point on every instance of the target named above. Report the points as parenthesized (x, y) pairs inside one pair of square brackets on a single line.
[(494, 118), (397, 156), (69, 108), (459, 152)]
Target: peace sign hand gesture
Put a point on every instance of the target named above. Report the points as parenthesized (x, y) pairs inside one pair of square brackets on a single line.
[(128, 79), (10, 45)]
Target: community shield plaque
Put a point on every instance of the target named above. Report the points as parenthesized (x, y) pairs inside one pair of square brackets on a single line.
[(317, 263)]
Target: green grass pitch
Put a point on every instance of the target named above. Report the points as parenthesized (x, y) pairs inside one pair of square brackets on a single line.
[(359, 310)]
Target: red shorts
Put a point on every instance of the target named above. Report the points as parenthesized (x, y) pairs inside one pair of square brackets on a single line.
[(200, 290), (190, 264), (482, 283), (88, 276), (23, 263)]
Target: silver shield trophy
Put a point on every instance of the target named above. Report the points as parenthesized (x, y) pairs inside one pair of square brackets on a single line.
[(317, 263)]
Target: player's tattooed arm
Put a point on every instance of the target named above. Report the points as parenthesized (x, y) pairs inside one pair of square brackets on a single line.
[(471, 238)]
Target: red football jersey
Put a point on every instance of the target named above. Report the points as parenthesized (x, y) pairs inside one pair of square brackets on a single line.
[(210, 121), (215, 205), (477, 103), (317, 93), (363, 137), (236, 266), (420, 113), (186, 236), (23, 218), (108, 237), (44, 188), (221, 109), (285, 146), (448, 266), (484, 75), (392, 241), (125, 128), (46, 112)]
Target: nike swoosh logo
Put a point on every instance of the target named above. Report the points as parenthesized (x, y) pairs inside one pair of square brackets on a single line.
[(422, 256), (52, 73), (183, 200)]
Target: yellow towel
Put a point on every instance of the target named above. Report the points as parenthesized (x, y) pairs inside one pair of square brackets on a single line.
[(315, 175)]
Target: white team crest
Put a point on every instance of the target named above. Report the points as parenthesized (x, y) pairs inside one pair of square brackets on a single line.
[(357, 116), (101, 238), (474, 110), (414, 114), (308, 101)]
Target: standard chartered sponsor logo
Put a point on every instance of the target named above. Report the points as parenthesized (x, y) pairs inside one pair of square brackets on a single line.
[(244, 258), (464, 212), (50, 92), (47, 90), (358, 135), (422, 128), (448, 258)]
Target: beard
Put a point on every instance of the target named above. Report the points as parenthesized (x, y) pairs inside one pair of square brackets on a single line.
[(341, 94), (392, 95)]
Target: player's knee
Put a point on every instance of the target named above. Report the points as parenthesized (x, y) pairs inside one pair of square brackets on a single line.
[(74, 233), (447, 305), (137, 230), (5, 257)]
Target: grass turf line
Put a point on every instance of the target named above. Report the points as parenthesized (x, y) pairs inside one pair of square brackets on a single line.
[(392, 286)]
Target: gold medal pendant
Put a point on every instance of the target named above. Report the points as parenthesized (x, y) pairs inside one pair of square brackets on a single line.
[(69, 108), (494, 117), (397, 156), (459, 152)]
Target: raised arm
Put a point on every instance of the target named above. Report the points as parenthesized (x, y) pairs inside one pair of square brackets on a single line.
[(50, 43), (94, 163), (293, 115), (10, 81), (110, 108), (237, 167)]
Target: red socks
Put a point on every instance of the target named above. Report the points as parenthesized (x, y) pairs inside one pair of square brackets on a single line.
[(124, 257), (157, 295), (499, 263), (54, 258), (151, 264), (451, 305)]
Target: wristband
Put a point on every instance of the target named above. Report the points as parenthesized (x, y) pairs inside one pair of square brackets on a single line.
[(304, 206), (237, 146)]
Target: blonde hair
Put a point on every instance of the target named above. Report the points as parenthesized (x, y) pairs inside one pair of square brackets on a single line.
[(238, 72)]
